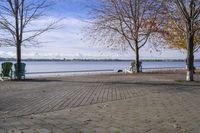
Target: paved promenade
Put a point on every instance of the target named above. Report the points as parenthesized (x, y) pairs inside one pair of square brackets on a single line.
[(144, 103)]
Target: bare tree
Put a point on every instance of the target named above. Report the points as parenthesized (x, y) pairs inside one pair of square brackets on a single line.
[(185, 15), (18, 24), (125, 23)]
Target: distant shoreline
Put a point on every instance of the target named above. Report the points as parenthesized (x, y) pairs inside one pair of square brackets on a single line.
[(146, 60)]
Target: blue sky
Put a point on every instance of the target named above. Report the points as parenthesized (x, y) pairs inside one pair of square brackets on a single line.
[(68, 41)]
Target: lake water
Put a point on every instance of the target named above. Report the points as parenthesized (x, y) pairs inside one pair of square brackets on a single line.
[(36, 67)]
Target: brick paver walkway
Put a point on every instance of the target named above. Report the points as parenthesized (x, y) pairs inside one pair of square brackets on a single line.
[(105, 103), (25, 98)]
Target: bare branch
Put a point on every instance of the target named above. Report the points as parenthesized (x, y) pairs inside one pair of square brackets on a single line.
[(17, 18), (128, 19)]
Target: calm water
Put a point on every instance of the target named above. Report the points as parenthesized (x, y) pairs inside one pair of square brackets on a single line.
[(54, 66)]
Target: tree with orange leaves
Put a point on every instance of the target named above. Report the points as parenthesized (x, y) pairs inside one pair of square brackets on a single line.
[(183, 27), (125, 23), (176, 39)]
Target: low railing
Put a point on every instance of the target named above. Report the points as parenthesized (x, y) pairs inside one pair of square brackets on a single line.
[(163, 68), (63, 72), (160, 68), (104, 70)]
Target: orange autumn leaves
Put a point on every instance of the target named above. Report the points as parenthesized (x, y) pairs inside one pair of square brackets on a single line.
[(176, 39)]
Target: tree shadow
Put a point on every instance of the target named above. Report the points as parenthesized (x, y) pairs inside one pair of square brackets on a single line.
[(38, 80)]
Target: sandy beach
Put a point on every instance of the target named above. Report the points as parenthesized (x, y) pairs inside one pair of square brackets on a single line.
[(103, 103)]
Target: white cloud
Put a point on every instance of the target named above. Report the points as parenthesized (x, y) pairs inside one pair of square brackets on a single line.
[(66, 42)]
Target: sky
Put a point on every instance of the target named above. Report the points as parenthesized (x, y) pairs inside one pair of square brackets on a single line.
[(68, 41)]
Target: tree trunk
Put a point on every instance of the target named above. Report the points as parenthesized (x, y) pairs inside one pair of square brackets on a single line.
[(137, 59), (18, 41), (190, 58), (18, 71)]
